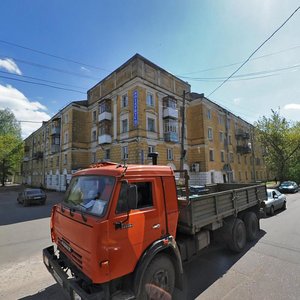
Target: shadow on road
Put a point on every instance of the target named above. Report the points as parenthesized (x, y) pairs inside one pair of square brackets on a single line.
[(205, 269), (11, 212), (53, 292)]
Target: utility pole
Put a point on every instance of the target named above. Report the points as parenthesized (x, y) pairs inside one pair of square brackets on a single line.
[(182, 153), (253, 154)]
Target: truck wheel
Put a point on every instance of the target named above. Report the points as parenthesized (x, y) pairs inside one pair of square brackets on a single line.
[(237, 241), (159, 278), (252, 226)]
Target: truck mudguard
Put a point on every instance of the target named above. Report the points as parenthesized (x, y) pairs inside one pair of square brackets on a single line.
[(166, 245)]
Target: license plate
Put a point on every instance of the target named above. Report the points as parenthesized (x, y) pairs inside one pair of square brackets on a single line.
[(58, 279)]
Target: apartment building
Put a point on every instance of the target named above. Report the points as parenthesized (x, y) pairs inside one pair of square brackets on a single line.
[(136, 110)]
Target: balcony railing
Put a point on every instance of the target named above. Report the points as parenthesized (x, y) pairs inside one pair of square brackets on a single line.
[(243, 149), (171, 137), (170, 112), (55, 130), (38, 155), (104, 139), (106, 115)]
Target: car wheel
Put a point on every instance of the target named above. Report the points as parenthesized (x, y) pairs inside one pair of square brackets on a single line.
[(272, 210)]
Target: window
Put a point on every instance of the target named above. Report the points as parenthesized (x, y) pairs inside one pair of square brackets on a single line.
[(93, 157), (104, 106), (66, 119), (231, 157), (124, 101), (228, 123), (151, 124), (220, 119), (245, 159), (239, 158), (230, 142), (210, 133), (94, 135), (221, 136), (125, 152), (65, 159), (66, 137), (246, 175), (107, 154), (150, 99), (151, 149), (144, 192), (222, 156), (211, 155), (169, 154), (124, 125), (94, 116), (209, 114)]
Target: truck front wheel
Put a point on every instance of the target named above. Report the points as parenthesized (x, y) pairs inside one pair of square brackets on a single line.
[(237, 241), (159, 279)]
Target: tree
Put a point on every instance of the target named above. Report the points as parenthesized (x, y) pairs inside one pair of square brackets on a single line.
[(281, 141), (11, 145)]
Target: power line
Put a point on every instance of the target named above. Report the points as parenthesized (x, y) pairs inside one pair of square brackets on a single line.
[(245, 75), (237, 63), (255, 51), (52, 55), (43, 84), (53, 69), (35, 78)]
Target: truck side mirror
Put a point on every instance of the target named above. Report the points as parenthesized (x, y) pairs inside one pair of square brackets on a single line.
[(132, 196)]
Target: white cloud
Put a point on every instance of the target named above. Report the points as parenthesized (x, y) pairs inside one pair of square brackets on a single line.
[(23, 109), (84, 69), (291, 106), (10, 66)]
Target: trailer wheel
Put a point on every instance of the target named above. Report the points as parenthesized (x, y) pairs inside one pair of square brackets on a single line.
[(159, 278), (237, 241), (252, 226)]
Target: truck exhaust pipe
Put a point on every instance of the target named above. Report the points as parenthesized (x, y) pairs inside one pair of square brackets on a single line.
[(153, 155)]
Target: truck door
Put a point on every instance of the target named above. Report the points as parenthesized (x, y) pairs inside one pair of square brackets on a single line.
[(131, 233)]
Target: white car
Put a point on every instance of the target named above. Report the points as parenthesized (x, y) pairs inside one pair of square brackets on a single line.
[(275, 201)]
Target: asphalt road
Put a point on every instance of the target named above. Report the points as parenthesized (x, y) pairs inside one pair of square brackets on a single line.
[(268, 268)]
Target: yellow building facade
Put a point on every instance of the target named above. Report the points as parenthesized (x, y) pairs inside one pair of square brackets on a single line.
[(136, 110)]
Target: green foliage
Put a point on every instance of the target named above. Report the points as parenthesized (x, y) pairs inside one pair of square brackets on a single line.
[(281, 140), (11, 145)]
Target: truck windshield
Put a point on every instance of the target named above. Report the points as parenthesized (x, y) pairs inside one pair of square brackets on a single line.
[(90, 194)]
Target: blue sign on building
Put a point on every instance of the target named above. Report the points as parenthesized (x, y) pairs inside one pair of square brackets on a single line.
[(135, 108)]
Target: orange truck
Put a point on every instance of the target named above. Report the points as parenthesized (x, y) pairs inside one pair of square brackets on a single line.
[(124, 231)]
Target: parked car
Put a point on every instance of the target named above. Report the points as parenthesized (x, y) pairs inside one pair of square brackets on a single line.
[(30, 196), (275, 201), (288, 187)]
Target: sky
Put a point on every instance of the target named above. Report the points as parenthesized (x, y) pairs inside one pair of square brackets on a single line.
[(53, 52)]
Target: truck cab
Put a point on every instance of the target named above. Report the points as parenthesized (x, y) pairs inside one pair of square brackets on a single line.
[(113, 220)]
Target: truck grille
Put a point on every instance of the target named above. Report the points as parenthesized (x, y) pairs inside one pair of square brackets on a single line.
[(67, 249)]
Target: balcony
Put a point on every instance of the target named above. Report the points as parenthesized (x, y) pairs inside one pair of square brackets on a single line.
[(171, 137), (106, 115), (243, 149), (170, 112), (38, 155), (55, 148), (104, 139), (55, 131), (242, 135)]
